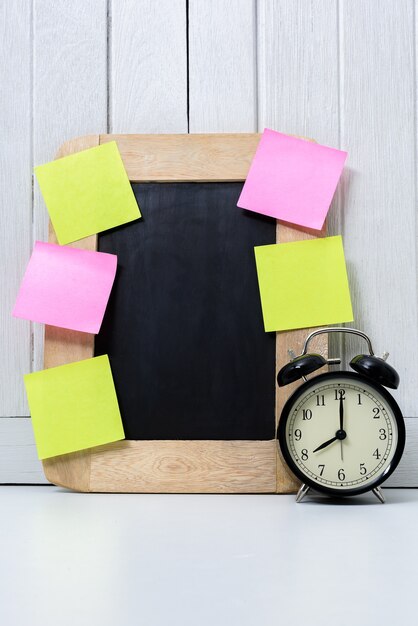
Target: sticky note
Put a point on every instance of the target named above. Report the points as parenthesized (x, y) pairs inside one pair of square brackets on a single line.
[(303, 284), (66, 287), (74, 407), (292, 180), (87, 192)]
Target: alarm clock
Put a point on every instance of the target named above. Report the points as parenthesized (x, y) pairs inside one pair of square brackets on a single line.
[(341, 433)]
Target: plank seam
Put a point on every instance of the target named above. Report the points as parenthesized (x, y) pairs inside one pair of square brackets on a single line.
[(109, 66), (14, 417), (32, 175), (414, 65), (341, 340), (255, 62), (187, 68)]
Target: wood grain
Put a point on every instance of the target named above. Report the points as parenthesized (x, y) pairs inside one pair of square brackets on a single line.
[(164, 158), (379, 133), (222, 66), (298, 90), (148, 61), (185, 467), (19, 461), (406, 474), (69, 470), (16, 200)]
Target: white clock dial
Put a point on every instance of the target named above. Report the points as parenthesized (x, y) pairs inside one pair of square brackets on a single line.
[(341, 433)]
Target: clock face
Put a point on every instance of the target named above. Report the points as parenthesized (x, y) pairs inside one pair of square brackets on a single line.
[(341, 433)]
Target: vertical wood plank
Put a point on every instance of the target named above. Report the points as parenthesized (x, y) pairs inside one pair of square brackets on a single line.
[(406, 474), (16, 198), (298, 80), (298, 68), (222, 67), (19, 461), (148, 87), (70, 89), (378, 129)]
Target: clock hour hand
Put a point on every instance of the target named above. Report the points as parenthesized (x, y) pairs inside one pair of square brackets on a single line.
[(325, 444)]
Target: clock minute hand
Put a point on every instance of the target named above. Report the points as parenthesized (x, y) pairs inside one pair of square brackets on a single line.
[(341, 424), (325, 444), (341, 413)]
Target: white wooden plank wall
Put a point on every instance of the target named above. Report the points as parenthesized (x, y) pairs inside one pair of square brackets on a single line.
[(15, 199), (222, 66), (378, 129), (340, 71), (148, 66)]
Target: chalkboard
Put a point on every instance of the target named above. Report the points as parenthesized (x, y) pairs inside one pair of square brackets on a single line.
[(183, 328), (194, 370)]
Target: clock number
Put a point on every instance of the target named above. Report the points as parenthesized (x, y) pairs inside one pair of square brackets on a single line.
[(320, 400), (339, 393), (376, 413), (382, 435), (363, 469), (306, 414), (359, 398), (341, 475), (304, 454), (298, 434), (322, 467), (376, 454)]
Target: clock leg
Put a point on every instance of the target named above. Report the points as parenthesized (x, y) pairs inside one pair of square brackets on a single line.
[(302, 492), (379, 495)]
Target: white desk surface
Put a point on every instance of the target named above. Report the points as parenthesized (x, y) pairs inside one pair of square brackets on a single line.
[(218, 560)]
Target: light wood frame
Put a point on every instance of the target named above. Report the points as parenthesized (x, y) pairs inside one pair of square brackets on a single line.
[(175, 466)]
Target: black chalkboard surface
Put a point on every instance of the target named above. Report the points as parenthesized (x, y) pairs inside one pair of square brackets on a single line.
[(183, 328)]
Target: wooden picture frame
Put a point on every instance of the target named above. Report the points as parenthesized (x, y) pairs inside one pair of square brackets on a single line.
[(175, 466)]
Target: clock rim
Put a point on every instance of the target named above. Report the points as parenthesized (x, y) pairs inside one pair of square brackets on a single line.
[(335, 491)]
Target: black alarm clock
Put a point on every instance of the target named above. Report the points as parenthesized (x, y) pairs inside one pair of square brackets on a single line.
[(341, 433)]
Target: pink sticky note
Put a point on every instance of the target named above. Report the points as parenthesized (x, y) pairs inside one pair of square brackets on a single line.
[(66, 287), (292, 180)]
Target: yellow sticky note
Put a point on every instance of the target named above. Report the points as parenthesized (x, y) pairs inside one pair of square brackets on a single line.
[(74, 407), (303, 284), (87, 192)]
